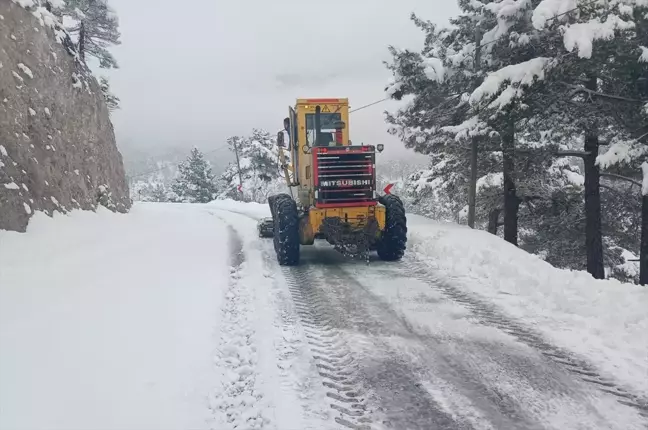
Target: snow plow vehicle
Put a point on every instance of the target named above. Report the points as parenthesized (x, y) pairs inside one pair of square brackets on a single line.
[(332, 187)]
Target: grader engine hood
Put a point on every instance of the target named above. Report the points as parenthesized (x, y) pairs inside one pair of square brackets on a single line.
[(344, 176)]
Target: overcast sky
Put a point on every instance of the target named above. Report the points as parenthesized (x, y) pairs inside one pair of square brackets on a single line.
[(196, 72)]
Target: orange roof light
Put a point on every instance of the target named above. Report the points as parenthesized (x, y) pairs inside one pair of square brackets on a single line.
[(322, 100)]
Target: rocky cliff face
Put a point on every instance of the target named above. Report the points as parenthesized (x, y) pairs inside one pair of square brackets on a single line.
[(57, 144)]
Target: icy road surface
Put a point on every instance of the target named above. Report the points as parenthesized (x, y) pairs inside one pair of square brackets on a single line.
[(178, 316)]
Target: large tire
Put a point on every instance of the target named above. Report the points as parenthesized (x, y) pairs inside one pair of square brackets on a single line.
[(286, 230), (393, 242)]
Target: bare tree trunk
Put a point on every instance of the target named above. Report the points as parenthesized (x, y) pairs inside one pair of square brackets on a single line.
[(511, 201), (493, 220), (593, 234), (472, 186), (643, 256), (82, 36)]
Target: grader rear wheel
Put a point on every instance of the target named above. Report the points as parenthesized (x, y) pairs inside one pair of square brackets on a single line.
[(286, 229), (392, 244)]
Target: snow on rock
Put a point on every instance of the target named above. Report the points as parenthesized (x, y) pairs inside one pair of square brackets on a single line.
[(28, 208), (17, 76), (25, 3), (32, 112), (47, 112), (101, 309), (550, 9), (581, 36), (57, 4), (516, 74), (3, 151), (26, 70), (604, 321), (12, 186)]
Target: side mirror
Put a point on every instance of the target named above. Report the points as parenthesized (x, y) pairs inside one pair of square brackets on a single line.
[(380, 147), (280, 139)]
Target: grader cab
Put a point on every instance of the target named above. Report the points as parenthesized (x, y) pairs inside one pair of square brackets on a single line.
[(332, 187)]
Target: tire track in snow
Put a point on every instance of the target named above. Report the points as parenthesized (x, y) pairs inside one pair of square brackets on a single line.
[(287, 374), (334, 361), (235, 402), (296, 369), (489, 314)]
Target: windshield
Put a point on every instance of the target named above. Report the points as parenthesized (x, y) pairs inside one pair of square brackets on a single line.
[(328, 121)]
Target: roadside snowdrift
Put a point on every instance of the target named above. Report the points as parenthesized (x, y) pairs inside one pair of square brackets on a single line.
[(604, 321), (107, 320)]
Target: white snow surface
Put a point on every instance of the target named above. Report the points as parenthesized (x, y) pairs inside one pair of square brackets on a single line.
[(140, 321), (148, 320), (604, 321), (26, 70), (106, 320)]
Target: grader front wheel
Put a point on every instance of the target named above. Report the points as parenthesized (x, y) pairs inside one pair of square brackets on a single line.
[(286, 229), (391, 246)]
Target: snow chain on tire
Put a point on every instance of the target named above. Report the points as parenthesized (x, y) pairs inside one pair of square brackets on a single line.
[(286, 229), (393, 242)]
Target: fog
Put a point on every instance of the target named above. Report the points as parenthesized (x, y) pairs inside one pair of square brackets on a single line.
[(194, 73)]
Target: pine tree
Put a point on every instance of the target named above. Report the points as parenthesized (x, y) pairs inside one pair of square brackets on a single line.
[(196, 183), (96, 28), (553, 75), (260, 170), (159, 193)]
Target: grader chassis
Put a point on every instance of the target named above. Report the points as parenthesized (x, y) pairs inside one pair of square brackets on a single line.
[(335, 186)]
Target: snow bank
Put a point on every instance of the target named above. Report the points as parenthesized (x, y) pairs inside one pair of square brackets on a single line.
[(254, 210), (604, 321), (107, 321)]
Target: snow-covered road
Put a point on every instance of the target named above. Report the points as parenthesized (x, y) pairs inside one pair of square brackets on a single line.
[(178, 316)]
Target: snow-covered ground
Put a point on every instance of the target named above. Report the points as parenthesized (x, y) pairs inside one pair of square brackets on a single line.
[(107, 321), (178, 316), (603, 320)]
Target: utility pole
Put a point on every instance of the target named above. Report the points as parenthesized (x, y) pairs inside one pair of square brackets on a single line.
[(472, 186), (238, 165)]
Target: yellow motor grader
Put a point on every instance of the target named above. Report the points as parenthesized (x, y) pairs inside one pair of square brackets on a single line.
[(332, 187)]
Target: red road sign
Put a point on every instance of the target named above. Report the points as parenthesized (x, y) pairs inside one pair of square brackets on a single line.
[(388, 188), (239, 188)]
